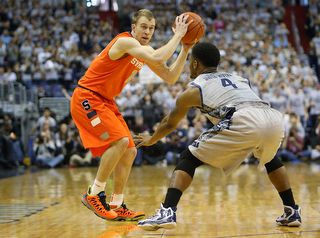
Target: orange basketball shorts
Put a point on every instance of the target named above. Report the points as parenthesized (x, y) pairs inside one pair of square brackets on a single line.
[(99, 121)]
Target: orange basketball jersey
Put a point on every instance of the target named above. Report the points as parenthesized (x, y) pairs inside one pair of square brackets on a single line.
[(108, 77)]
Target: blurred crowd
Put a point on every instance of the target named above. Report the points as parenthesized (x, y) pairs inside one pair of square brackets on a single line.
[(44, 45)]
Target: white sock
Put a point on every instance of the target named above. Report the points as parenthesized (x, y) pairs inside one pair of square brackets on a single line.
[(97, 187), (116, 199)]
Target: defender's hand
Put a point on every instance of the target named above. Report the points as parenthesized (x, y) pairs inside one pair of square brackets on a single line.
[(143, 139)]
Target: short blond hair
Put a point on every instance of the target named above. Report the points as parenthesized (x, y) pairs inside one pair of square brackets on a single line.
[(143, 13)]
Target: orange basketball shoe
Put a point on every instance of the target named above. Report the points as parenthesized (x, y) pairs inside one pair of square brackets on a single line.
[(98, 205), (125, 214)]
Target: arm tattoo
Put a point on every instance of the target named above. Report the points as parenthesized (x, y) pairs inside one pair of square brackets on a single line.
[(174, 112)]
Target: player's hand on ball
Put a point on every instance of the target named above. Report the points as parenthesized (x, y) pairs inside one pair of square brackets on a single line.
[(181, 25), (142, 139)]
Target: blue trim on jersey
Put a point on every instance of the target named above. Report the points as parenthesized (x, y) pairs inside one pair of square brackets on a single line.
[(249, 83), (210, 72), (198, 86)]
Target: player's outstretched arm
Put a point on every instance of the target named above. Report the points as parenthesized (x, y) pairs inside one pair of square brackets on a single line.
[(171, 74), (189, 98)]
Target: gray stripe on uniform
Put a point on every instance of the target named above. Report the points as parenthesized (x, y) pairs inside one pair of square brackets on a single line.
[(104, 136)]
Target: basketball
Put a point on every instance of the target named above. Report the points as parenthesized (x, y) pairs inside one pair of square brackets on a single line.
[(195, 29)]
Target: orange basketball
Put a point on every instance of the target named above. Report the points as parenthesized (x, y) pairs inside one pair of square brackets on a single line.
[(195, 29)]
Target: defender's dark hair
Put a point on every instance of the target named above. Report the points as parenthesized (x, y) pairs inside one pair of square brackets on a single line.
[(208, 54)]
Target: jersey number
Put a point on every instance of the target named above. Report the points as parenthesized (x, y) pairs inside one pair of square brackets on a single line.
[(226, 82), (134, 72)]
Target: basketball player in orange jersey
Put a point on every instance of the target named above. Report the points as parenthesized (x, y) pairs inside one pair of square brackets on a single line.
[(101, 126)]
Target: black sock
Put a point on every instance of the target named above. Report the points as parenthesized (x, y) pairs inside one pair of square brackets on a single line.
[(287, 198), (172, 197)]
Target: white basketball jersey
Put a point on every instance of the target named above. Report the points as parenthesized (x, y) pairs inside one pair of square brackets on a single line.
[(221, 91)]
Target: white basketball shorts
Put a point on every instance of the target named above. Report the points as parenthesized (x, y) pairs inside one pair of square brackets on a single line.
[(251, 128)]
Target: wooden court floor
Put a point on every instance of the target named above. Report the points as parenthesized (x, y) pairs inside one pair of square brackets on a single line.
[(244, 204)]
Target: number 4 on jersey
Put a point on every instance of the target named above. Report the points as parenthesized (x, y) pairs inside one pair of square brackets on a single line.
[(227, 82)]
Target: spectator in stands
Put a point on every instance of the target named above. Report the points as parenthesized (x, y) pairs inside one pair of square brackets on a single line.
[(153, 155), (61, 138), (280, 41), (282, 30), (16, 69), (9, 76), (2, 77), (265, 15), (316, 40), (304, 69), (10, 129), (41, 121), (292, 146), (44, 149), (311, 76), (25, 50), (314, 150), (298, 104), (3, 52), (133, 85), (42, 93), (80, 156), (37, 73), (195, 131), (26, 72), (128, 108), (139, 94), (13, 52), (51, 70), (278, 102), (159, 97), (314, 101), (5, 36), (219, 24), (294, 122), (46, 54), (277, 10), (170, 102), (139, 126), (148, 108), (173, 147), (11, 148)]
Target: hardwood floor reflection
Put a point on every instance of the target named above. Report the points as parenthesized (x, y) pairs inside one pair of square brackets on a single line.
[(245, 204)]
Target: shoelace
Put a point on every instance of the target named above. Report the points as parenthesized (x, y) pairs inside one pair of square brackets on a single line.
[(126, 210), (103, 202), (155, 216)]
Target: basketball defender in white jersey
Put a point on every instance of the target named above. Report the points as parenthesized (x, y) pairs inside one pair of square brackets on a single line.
[(243, 123)]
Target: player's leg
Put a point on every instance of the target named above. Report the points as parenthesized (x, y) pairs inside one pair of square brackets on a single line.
[(110, 158), (122, 170), (95, 198), (180, 181), (271, 140), (121, 174), (279, 178), (93, 117)]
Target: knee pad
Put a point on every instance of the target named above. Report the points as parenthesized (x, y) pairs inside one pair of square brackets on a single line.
[(274, 164), (188, 163)]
